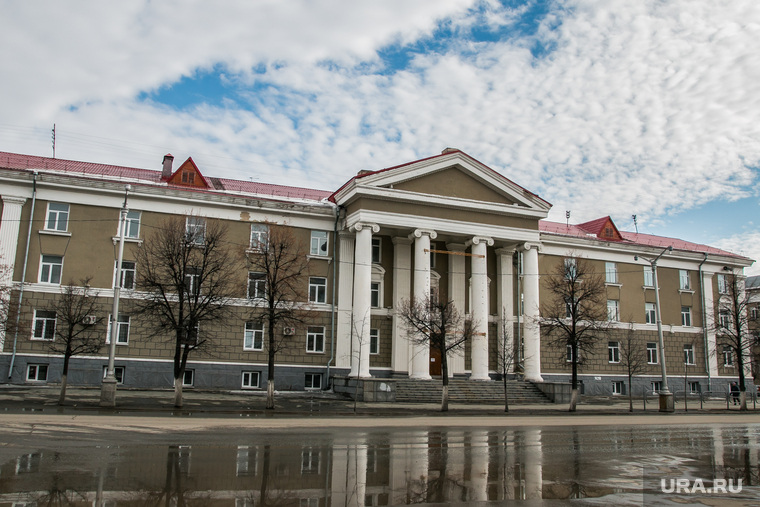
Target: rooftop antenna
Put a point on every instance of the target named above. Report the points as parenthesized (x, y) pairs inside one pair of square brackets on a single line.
[(567, 217), (53, 140), (635, 223)]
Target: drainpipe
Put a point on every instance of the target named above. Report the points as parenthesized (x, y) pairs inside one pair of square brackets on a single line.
[(519, 310), (23, 274), (334, 292), (704, 323)]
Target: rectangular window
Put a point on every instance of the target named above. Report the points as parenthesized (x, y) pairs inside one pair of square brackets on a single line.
[(128, 272), (694, 388), (724, 318), (617, 388), (651, 313), (315, 339), (684, 283), (132, 225), (374, 295), (37, 372), (571, 268), (310, 461), (57, 217), (374, 341), (250, 380), (313, 381), (118, 372), (188, 378), (195, 230), (753, 313), (648, 276), (317, 289), (688, 353), (193, 281), (259, 235), (44, 325), (652, 353), (376, 250), (728, 357), (610, 272), (257, 285), (656, 386), (569, 354), (722, 284), (254, 336), (122, 333), (318, 243), (686, 315), (51, 267), (613, 310), (613, 352)]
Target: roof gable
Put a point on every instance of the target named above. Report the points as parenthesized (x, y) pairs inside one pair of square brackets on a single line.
[(602, 228), (188, 175)]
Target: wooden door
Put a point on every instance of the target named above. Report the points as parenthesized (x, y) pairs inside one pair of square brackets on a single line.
[(435, 362)]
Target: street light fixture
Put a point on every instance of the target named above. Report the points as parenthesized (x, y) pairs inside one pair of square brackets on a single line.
[(108, 387), (666, 397)]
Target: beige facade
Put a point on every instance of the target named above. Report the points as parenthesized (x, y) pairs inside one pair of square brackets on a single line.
[(446, 224)]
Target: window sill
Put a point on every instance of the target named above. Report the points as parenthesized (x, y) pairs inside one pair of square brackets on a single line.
[(685, 291), (45, 232), (138, 241), (315, 351), (613, 284), (319, 257), (254, 251), (46, 340)]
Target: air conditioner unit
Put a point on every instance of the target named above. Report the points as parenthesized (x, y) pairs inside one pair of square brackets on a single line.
[(288, 331), (89, 320)]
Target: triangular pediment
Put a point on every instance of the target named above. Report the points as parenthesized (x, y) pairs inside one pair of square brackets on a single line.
[(452, 179), (188, 175)]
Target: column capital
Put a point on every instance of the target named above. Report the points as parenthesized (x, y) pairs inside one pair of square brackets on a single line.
[(476, 240), (14, 199), (528, 245), (418, 233), (362, 225)]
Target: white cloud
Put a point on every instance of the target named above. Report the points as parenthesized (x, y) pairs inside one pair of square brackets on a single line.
[(746, 244), (639, 107)]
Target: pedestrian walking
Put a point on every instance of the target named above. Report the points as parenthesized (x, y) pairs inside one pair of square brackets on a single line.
[(735, 392)]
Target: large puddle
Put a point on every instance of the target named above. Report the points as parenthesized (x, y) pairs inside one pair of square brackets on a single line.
[(321, 467)]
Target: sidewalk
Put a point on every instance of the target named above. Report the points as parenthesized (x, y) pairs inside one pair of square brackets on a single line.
[(288, 404)]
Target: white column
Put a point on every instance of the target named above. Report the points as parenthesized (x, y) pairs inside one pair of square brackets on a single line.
[(531, 328), (9, 227), (479, 453), (709, 309), (362, 299), (534, 465), (479, 309), (345, 300), (421, 352), (402, 289), (505, 306), (458, 294), (356, 477)]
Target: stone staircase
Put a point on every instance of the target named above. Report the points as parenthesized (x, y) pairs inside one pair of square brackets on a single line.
[(468, 391)]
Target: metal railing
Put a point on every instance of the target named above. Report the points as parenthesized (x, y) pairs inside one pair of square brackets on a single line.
[(703, 396)]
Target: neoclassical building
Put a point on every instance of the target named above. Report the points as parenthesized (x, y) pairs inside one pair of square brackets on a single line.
[(446, 224)]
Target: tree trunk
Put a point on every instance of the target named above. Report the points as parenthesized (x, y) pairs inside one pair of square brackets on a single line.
[(630, 395), (743, 400), (444, 381), (270, 394), (178, 392), (62, 395), (573, 399), (445, 398), (506, 396)]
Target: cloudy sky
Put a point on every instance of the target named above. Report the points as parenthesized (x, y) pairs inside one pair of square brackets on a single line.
[(602, 107)]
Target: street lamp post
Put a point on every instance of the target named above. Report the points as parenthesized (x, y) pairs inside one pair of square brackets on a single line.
[(666, 397), (108, 388)]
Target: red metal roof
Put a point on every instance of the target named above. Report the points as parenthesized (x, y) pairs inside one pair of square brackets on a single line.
[(632, 238), (120, 173)]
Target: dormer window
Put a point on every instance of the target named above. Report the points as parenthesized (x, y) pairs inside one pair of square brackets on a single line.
[(188, 177)]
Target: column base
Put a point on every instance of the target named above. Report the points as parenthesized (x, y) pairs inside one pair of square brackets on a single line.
[(533, 377), (480, 378), (108, 393), (420, 377)]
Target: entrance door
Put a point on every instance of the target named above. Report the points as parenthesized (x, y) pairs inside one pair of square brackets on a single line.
[(435, 361)]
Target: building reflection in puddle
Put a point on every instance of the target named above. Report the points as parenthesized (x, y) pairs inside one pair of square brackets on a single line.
[(379, 467)]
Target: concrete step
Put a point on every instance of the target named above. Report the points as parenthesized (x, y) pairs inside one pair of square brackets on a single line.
[(468, 391)]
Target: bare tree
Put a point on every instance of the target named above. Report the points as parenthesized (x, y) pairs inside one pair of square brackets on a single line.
[(440, 325), (6, 285), (188, 274), (732, 325), (633, 358), (75, 318), (505, 355), (575, 313), (278, 265)]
